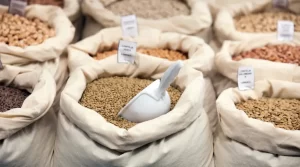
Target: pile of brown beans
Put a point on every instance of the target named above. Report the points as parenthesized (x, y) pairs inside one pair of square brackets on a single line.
[(150, 9), (108, 96), (11, 98), (278, 53), (264, 22), (59, 3), (162, 53), (283, 113), (20, 31)]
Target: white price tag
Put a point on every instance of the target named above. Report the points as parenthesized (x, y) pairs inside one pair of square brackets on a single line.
[(245, 78), (280, 3), (17, 7), (126, 52), (285, 30), (129, 26)]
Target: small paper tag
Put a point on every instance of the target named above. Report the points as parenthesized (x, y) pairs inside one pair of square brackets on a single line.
[(280, 3), (285, 30), (126, 52), (129, 26), (17, 7), (246, 78)]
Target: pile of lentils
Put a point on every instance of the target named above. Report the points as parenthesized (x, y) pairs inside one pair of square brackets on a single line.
[(59, 3), (108, 96), (283, 53), (20, 31), (264, 22), (150, 9), (161, 53), (11, 98), (283, 113)]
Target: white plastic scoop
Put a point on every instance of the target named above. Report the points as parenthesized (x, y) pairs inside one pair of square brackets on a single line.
[(154, 100)]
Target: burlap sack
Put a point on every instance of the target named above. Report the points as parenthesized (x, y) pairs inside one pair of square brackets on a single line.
[(198, 23), (259, 136), (224, 24), (84, 138), (27, 134), (263, 69), (201, 56), (50, 49)]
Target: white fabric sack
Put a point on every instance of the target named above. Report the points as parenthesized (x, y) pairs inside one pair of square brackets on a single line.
[(224, 24), (260, 135), (182, 137), (197, 23), (51, 48), (263, 69), (201, 56), (27, 134)]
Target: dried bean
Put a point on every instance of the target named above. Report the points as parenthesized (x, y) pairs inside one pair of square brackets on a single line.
[(108, 96), (278, 53), (264, 22), (283, 113), (162, 53), (151, 9), (21, 32), (11, 98)]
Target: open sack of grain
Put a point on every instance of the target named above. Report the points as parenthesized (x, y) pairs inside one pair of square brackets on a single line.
[(253, 19), (156, 44), (190, 17), (269, 115), (27, 121), (270, 59), (88, 138)]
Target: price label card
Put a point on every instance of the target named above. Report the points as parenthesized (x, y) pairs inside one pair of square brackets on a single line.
[(280, 3), (246, 78), (285, 30), (17, 7), (129, 26), (126, 52)]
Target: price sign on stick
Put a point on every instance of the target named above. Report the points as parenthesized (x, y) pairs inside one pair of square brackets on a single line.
[(246, 78), (285, 30), (280, 3), (129, 26), (17, 7), (126, 52)]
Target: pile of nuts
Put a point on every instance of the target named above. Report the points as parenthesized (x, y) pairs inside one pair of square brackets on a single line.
[(278, 53), (108, 96), (11, 98), (150, 9), (162, 53), (283, 113), (59, 3), (19, 31), (264, 22)]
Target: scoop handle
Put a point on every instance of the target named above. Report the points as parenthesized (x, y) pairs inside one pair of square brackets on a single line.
[(168, 77)]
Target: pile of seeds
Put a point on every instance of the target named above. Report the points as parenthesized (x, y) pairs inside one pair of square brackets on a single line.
[(11, 98), (283, 113), (150, 9), (59, 3), (19, 31), (108, 96), (162, 53), (278, 53), (264, 22)]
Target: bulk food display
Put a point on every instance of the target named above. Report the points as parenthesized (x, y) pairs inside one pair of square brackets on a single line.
[(268, 114), (28, 122), (255, 19), (102, 139), (190, 17), (270, 59), (156, 44)]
